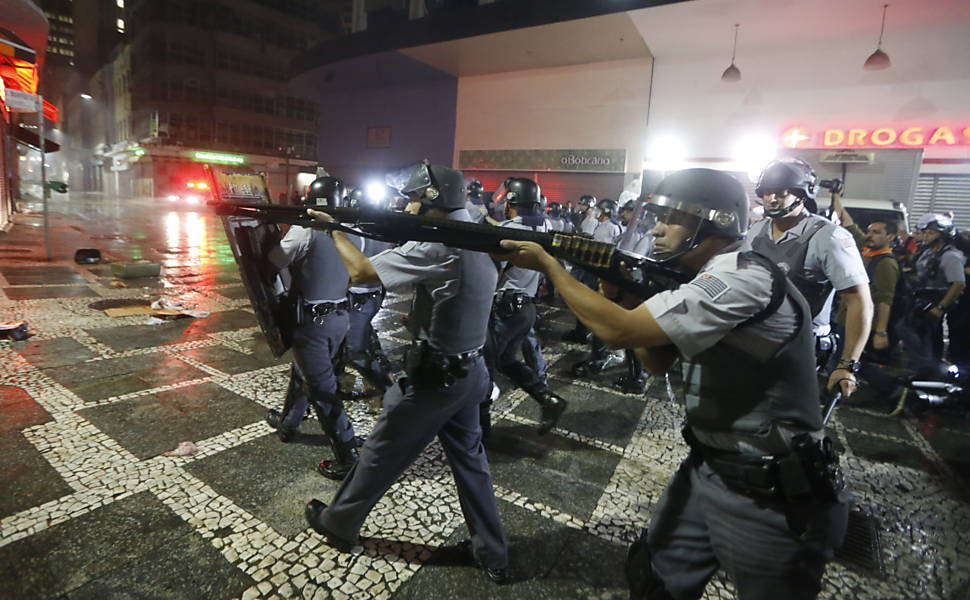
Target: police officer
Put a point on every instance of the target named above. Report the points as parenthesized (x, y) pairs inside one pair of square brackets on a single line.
[(607, 230), (496, 208), (760, 495), (446, 376), (819, 256), (584, 219), (514, 310), (475, 204), (363, 347), (320, 293), (940, 281), (555, 220), (354, 198), (636, 238)]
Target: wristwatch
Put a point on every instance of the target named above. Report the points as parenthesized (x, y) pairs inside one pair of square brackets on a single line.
[(852, 366)]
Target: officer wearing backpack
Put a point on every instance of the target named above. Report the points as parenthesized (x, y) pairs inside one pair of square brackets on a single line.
[(940, 280)]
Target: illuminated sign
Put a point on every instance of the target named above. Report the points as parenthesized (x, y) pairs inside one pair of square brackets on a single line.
[(876, 137), (229, 159)]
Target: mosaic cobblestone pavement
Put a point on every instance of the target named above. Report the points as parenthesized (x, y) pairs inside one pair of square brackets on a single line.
[(90, 507)]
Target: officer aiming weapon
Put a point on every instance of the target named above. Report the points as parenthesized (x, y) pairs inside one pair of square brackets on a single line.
[(605, 260)]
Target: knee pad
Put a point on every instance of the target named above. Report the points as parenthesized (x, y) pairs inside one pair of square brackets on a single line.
[(644, 583)]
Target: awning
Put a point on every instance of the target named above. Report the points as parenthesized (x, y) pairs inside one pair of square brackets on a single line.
[(31, 139), (18, 66)]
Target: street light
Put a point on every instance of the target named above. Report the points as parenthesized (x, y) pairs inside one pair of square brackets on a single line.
[(85, 96)]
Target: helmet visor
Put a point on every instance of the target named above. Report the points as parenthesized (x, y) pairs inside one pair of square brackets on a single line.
[(681, 223)]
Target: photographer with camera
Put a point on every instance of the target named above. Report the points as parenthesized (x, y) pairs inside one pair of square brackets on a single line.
[(819, 257), (876, 245)]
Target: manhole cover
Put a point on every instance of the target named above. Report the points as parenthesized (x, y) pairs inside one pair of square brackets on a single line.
[(118, 303)]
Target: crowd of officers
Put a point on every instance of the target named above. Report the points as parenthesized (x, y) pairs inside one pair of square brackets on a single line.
[(761, 494)]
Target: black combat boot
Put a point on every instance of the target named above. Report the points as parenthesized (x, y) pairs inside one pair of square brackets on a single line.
[(274, 419), (577, 335), (634, 382), (346, 456), (600, 359), (552, 407)]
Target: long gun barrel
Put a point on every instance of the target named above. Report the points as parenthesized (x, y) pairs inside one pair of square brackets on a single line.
[(599, 258)]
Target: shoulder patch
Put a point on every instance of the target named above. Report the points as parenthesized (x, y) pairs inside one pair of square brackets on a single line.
[(710, 285)]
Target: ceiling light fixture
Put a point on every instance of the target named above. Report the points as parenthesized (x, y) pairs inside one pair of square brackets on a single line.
[(732, 73), (879, 60)]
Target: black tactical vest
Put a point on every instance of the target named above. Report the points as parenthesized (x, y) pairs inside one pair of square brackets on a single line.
[(457, 324), (790, 257), (729, 390), (930, 278)]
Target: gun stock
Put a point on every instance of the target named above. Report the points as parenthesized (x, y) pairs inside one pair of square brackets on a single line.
[(599, 258)]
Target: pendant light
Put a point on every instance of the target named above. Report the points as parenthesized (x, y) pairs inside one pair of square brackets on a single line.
[(879, 60), (732, 73)]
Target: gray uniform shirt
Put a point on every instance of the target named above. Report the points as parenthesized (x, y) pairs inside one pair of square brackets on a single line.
[(589, 222), (832, 256), (709, 309), (477, 212), (438, 269), (517, 278), (559, 224), (295, 246), (607, 231)]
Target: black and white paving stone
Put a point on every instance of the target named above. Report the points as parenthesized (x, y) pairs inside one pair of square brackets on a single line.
[(91, 508)]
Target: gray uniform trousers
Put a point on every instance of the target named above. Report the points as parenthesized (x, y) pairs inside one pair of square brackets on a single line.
[(363, 346), (315, 347), (506, 335), (409, 422), (532, 354), (700, 525)]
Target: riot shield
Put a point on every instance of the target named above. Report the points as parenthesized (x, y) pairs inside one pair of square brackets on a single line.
[(251, 240)]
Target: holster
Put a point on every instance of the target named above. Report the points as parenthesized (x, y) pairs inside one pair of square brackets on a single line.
[(357, 301), (825, 347), (810, 473), (427, 368), (509, 302)]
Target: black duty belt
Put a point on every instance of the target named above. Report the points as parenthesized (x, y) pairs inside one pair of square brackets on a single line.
[(319, 310), (809, 472), (428, 368)]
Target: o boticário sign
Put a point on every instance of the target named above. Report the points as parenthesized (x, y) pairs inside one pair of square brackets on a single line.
[(890, 136), (596, 161)]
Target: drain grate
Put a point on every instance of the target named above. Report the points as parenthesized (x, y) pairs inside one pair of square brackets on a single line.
[(862, 549)]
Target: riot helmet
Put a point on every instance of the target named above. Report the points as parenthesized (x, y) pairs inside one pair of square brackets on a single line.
[(707, 202), (436, 186), (606, 208), (325, 191), (474, 188), (523, 194), (788, 176), (554, 210), (937, 222), (587, 201), (355, 198)]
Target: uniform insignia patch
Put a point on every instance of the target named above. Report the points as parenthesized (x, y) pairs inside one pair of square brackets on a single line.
[(710, 285)]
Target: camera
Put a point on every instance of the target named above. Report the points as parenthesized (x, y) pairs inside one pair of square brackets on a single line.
[(832, 185)]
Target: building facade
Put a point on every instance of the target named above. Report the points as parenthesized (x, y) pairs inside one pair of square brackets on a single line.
[(201, 79)]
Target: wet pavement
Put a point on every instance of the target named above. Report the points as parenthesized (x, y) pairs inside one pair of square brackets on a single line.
[(90, 507)]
